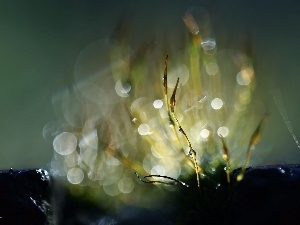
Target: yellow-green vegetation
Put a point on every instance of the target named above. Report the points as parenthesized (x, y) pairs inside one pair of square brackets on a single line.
[(135, 112)]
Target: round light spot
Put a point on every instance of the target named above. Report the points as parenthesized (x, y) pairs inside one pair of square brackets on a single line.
[(122, 89), (223, 131), (75, 175), (158, 170), (158, 104), (126, 185), (204, 133), (144, 129), (208, 45), (212, 68), (216, 103), (65, 143), (244, 77)]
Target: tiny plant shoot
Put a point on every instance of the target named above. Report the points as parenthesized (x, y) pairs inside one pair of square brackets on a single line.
[(120, 124)]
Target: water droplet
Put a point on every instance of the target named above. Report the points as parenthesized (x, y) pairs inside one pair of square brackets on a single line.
[(158, 104), (75, 176), (216, 103), (144, 129), (204, 133), (217, 186), (211, 68), (244, 77), (158, 170), (281, 170), (122, 89), (65, 143), (209, 46), (223, 131)]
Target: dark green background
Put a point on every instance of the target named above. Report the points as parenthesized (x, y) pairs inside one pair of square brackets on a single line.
[(40, 41)]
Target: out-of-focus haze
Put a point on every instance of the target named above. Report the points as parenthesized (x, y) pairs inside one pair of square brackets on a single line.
[(40, 42)]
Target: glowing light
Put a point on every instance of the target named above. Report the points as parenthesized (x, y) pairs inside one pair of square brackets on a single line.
[(223, 131), (204, 133), (209, 45), (281, 170), (217, 103), (245, 76), (158, 104), (126, 185), (65, 143), (158, 170), (212, 68), (122, 89), (144, 129), (75, 176)]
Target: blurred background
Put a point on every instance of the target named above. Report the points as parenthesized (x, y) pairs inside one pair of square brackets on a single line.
[(40, 42)]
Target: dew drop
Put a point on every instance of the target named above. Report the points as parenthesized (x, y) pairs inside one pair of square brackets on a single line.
[(281, 170), (158, 104), (122, 89), (158, 170), (209, 46), (244, 77), (223, 131), (212, 68), (144, 129), (65, 143), (216, 103), (75, 176), (204, 133)]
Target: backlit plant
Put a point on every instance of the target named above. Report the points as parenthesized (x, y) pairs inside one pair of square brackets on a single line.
[(121, 119)]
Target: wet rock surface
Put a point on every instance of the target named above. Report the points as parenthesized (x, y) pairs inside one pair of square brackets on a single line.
[(25, 197), (267, 195)]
